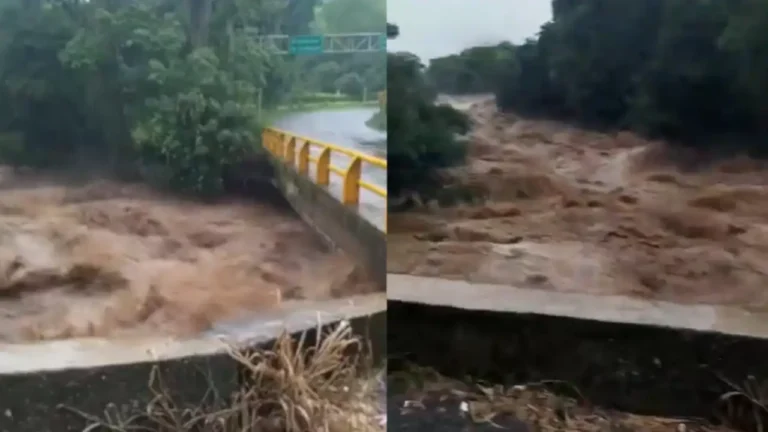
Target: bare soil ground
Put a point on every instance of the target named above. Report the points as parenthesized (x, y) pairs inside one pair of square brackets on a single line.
[(575, 211), (112, 259), (425, 401)]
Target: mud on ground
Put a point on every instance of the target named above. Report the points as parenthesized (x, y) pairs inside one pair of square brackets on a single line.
[(570, 210), (112, 259)]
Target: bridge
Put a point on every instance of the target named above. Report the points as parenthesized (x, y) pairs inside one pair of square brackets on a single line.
[(338, 191), (334, 191)]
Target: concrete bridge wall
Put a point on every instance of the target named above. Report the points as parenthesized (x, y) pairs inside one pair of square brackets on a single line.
[(635, 355), (45, 385), (340, 225)]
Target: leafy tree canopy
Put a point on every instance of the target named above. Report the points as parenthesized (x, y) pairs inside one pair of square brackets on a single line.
[(692, 71), (356, 75), (421, 137), (163, 89)]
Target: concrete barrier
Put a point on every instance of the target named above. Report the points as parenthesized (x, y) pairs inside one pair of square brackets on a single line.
[(42, 383), (340, 225), (624, 353)]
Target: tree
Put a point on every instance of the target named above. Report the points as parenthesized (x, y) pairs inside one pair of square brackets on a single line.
[(199, 21), (136, 87), (421, 137), (692, 71), (350, 83), (357, 71), (325, 74), (393, 31), (744, 40), (474, 70), (352, 16)]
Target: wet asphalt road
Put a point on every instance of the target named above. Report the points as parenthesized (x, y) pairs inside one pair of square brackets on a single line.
[(346, 128)]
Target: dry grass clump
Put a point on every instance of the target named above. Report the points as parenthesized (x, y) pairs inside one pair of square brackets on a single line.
[(296, 386), (559, 406), (746, 405)]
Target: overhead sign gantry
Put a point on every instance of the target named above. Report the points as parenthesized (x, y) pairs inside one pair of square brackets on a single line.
[(325, 44)]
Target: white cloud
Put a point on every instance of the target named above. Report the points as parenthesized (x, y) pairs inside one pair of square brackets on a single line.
[(434, 28)]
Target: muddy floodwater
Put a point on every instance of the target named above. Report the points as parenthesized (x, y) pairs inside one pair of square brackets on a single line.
[(102, 258), (558, 208)]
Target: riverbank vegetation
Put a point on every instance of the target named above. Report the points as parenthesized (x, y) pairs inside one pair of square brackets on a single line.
[(691, 72), (421, 136), (170, 92), (378, 121)]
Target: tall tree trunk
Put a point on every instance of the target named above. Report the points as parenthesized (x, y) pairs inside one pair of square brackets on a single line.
[(199, 22), (33, 4)]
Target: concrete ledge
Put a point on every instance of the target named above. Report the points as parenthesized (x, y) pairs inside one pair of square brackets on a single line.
[(89, 374), (341, 226), (628, 354), (617, 309)]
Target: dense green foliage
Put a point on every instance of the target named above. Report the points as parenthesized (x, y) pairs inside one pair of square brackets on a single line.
[(692, 71), (170, 91), (393, 31), (356, 75), (421, 136), (473, 71), (161, 88)]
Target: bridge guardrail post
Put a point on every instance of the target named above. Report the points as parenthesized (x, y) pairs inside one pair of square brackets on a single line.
[(282, 145), (304, 158), (324, 167), (351, 193), (290, 152)]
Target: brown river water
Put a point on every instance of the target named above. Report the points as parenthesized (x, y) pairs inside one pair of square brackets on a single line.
[(572, 210), (103, 258)]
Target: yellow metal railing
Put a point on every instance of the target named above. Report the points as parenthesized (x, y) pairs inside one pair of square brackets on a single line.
[(294, 150)]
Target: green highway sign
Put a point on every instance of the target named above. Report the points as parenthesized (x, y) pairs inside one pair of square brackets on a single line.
[(383, 42), (308, 44)]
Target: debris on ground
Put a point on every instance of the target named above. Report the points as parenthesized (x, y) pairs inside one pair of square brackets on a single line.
[(423, 400)]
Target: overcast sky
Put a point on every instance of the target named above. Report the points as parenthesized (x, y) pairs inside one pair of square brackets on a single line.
[(434, 28)]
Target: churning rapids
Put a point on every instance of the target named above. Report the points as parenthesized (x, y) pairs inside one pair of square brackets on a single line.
[(109, 259)]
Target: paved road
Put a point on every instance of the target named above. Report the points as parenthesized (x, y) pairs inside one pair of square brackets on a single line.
[(347, 128)]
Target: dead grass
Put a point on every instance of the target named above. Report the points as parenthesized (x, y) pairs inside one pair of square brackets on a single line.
[(544, 405), (297, 386), (746, 405)]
